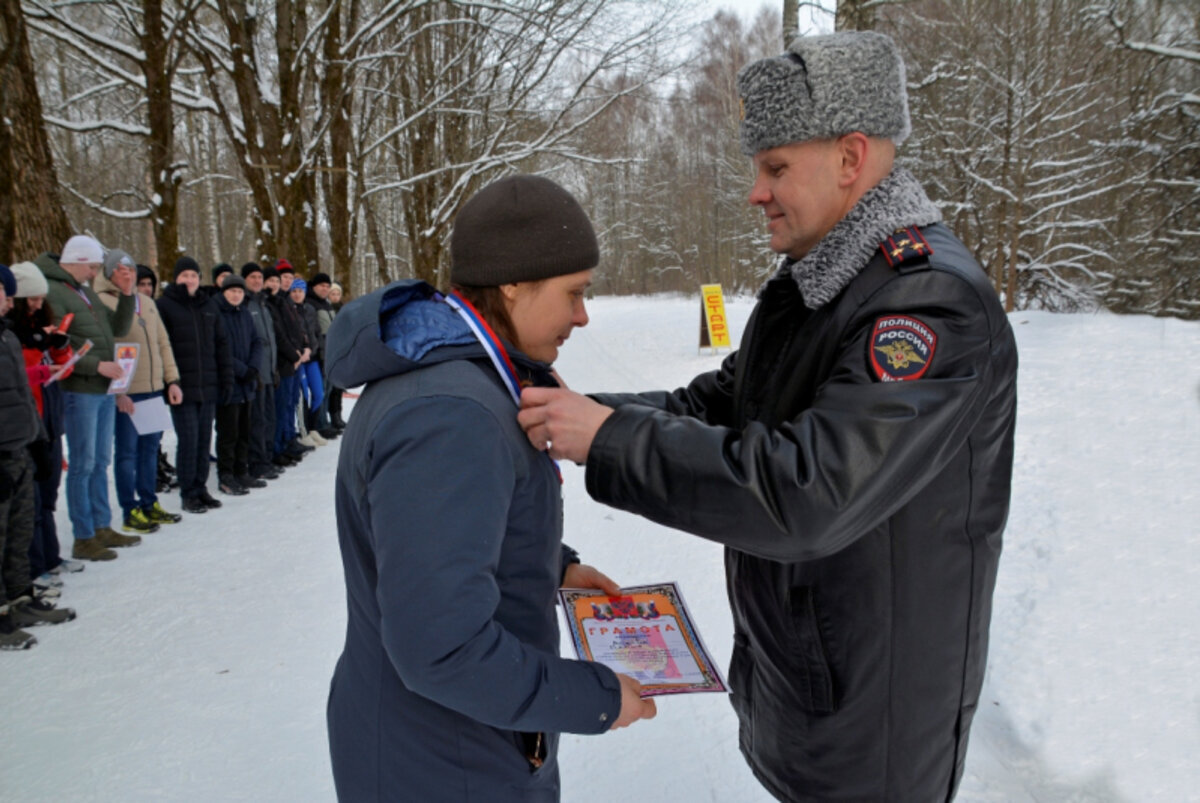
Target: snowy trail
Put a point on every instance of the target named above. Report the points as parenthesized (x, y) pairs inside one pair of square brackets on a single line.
[(198, 667)]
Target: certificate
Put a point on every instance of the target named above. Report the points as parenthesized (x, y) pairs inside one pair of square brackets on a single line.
[(126, 355), (646, 633)]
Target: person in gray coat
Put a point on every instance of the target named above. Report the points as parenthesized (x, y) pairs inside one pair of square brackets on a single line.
[(450, 687)]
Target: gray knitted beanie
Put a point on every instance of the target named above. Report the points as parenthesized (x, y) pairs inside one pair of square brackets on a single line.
[(520, 229), (822, 88), (114, 257)]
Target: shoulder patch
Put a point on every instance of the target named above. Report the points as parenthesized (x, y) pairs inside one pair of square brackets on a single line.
[(906, 244), (901, 348)]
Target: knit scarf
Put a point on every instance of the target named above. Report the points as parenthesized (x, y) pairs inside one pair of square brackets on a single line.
[(894, 203)]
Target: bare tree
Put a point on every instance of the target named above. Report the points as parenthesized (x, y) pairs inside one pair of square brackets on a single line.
[(32, 218), (135, 46)]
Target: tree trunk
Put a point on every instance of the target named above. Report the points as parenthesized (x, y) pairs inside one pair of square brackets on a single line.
[(32, 218), (791, 21), (338, 99), (854, 15), (164, 176)]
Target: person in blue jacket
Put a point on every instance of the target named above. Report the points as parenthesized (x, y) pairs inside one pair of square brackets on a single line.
[(450, 687)]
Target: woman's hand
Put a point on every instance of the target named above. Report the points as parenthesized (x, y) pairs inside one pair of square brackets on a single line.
[(580, 575)]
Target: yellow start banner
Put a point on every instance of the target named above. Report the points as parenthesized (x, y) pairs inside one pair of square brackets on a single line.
[(715, 332)]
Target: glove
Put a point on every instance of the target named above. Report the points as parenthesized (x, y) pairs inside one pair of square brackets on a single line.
[(226, 396), (251, 377), (43, 460), (35, 338)]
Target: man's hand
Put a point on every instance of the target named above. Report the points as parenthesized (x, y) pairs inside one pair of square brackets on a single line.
[(124, 404), (561, 422), (110, 370), (174, 394), (580, 575), (633, 707), (125, 280)]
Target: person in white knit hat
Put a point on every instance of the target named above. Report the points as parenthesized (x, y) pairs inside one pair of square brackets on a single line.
[(90, 409)]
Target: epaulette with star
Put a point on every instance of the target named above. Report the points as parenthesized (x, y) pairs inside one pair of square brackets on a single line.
[(906, 249)]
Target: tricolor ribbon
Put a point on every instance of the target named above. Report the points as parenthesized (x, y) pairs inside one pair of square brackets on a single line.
[(495, 350)]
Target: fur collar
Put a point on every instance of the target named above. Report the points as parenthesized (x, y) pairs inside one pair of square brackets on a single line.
[(896, 202)]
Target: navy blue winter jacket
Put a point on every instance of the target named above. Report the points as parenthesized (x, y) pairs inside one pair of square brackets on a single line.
[(450, 527), (245, 348)]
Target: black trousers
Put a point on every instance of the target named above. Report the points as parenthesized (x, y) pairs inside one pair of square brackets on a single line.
[(16, 523), (193, 426), (44, 551), (262, 430), (233, 439)]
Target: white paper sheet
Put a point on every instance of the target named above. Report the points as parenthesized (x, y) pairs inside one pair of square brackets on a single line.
[(151, 415)]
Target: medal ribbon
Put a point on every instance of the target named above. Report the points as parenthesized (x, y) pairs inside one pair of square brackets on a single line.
[(495, 351)]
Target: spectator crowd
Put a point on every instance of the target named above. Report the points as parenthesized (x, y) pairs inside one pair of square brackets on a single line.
[(92, 352)]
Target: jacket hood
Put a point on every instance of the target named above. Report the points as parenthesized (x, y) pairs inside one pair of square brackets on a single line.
[(103, 285), (54, 272), (396, 329)]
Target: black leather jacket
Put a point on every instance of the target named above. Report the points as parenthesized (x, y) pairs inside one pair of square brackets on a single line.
[(863, 520)]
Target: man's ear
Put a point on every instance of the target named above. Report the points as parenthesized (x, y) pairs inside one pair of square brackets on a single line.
[(853, 148)]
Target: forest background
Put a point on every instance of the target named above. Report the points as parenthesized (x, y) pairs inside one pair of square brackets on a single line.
[(1061, 138)]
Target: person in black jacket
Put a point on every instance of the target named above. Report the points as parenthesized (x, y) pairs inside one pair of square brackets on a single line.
[(262, 409), (201, 348), (292, 344), (854, 456), (233, 414)]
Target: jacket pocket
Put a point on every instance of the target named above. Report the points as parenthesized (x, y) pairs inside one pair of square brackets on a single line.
[(741, 683), (814, 678)]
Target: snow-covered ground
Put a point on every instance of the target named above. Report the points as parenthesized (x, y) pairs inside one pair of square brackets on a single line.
[(198, 667)]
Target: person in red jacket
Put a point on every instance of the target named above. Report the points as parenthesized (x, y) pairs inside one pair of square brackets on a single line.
[(47, 353)]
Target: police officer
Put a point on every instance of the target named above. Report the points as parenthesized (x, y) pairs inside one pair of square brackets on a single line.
[(854, 456)]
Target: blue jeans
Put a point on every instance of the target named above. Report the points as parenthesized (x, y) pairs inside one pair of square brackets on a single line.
[(90, 418), (135, 465)]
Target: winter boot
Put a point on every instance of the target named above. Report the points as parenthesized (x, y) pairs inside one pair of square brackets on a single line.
[(194, 504), (11, 636), (208, 500), (227, 484), (111, 538), (246, 481), (91, 549), (26, 612), (157, 514), (139, 522)]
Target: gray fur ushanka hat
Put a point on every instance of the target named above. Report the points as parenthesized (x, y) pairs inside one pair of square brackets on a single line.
[(822, 88)]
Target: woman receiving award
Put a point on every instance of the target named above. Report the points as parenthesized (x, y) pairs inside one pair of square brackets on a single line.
[(450, 687)]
